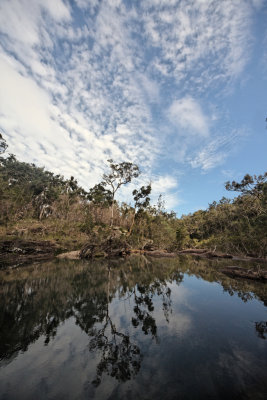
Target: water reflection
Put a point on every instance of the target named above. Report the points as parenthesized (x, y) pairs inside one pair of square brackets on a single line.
[(119, 357), (36, 300), (261, 328)]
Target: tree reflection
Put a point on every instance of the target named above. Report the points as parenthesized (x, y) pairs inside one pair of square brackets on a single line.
[(120, 358), (261, 328), (144, 307), (209, 270), (37, 300)]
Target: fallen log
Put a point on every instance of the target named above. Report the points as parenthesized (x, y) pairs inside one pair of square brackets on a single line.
[(205, 253), (159, 253), (193, 251), (240, 272)]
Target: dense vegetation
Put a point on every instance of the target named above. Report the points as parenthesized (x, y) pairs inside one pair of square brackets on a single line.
[(236, 226), (35, 203)]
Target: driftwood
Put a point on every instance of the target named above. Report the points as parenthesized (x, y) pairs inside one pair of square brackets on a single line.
[(240, 272), (205, 253), (113, 245)]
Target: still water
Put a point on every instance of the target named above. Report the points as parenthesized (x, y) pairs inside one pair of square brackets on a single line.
[(141, 328)]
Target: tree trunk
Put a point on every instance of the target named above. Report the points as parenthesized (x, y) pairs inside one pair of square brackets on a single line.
[(112, 213), (132, 224)]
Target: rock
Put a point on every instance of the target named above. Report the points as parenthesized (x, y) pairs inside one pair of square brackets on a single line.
[(70, 255), (22, 251), (20, 232), (17, 250)]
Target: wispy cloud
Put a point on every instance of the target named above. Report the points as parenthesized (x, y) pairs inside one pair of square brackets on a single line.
[(217, 150)]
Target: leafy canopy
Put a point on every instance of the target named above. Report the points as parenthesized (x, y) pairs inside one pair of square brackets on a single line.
[(120, 174)]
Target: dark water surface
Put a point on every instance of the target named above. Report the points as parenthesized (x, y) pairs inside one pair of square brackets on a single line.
[(136, 329)]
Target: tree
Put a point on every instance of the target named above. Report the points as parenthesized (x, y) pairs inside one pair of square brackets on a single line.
[(182, 236), (3, 144), (251, 185), (142, 199), (120, 174), (99, 195), (160, 205)]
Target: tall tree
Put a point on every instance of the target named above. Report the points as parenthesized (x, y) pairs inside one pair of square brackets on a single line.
[(120, 174)]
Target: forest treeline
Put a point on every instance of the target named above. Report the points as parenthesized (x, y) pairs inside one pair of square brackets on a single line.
[(38, 204)]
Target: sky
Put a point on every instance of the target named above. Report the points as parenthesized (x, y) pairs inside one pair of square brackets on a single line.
[(176, 86)]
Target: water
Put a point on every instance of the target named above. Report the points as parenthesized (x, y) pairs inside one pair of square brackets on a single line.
[(140, 328)]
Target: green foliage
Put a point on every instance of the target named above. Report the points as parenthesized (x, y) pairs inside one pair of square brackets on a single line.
[(163, 233), (120, 174), (26, 187), (3, 144), (251, 185), (141, 197), (182, 236), (88, 223), (237, 226), (100, 195)]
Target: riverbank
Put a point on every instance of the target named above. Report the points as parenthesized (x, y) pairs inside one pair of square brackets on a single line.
[(18, 252)]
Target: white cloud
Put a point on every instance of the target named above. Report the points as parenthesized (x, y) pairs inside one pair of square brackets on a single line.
[(164, 182), (24, 103), (74, 114), (199, 41), (21, 19), (167, 186), (188, 115), (79, 89), (150, 87)]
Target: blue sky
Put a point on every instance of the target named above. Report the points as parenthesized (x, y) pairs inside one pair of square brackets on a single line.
[(176, 86)]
